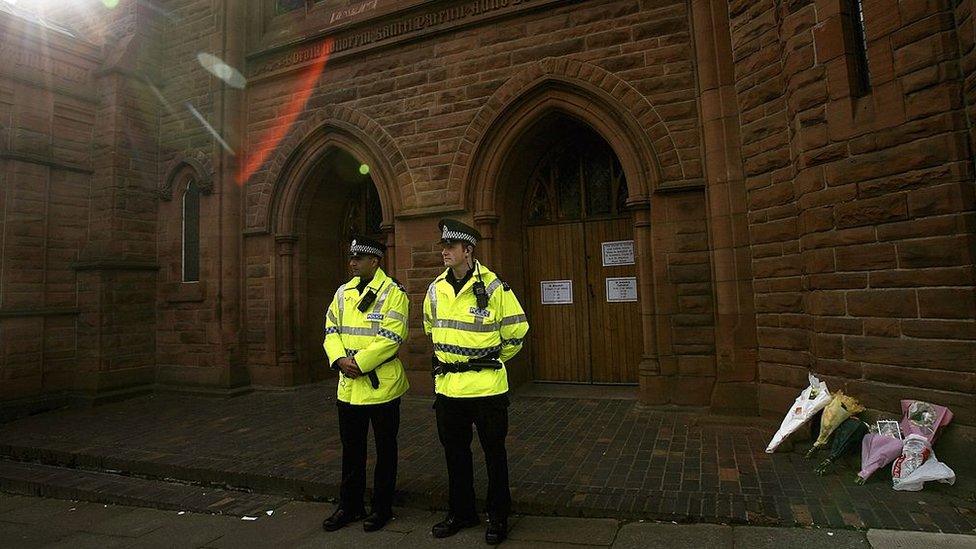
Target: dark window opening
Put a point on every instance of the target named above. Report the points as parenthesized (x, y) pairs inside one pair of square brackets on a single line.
[(578, 181), (856, 46), (364, 216), (191, 233)]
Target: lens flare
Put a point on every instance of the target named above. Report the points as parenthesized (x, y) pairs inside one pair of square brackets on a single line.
[(215, 66), (209, 128), (297, 104), (364, 169), (110, 3)]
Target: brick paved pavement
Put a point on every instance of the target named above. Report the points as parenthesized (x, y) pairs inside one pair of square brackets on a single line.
[(568, 456)]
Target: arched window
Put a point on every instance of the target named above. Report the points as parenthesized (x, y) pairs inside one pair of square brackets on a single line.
[(583, 180), (855, 40), (191, 232), (364, 216)]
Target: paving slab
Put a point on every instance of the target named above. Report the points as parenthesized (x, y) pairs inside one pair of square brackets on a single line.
[(899, 539), (519, 544), (85, 540), (42, 511), (799, 538), (288, 524), (28, 536), (406, 520), (421, 537), (10, 502), (187, 530), (565, 530), (655, 535), (133, 523), (351, 537)]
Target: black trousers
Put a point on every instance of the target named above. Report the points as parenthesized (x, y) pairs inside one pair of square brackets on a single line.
[(454, 419), (354, 421)]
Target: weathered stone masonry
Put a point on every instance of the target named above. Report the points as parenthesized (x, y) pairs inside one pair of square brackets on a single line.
[(784, 221)]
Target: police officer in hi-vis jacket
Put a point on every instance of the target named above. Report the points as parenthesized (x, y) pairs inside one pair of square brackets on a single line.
[(477, 325), (364, 328)]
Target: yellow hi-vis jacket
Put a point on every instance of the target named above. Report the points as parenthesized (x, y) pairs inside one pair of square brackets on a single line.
[(372, 337), (461, 331)]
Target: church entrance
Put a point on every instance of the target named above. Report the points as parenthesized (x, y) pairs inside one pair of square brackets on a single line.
[(581, 273), (345, 203)]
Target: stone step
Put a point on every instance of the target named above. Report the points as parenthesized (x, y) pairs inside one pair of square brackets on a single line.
[(34, 479), (132, 464), (135, 463)]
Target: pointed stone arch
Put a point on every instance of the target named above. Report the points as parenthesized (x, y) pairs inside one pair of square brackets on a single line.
[(617, 112), (624, 117), (297, 155), (197, 167)]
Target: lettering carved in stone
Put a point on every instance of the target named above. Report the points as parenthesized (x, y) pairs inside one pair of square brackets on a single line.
[(387, 31)]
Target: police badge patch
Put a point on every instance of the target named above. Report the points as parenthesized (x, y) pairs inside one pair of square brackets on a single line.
[(483, 313), (374, 317)]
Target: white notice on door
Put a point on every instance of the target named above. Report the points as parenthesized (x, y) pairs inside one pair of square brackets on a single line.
[(621, 290), (557, 292), (618, 252)]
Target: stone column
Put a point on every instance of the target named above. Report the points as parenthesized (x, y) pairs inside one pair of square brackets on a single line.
[(228, 103), (728, 230), (653, 386), (486, 222), (390, 241), (285, 248)]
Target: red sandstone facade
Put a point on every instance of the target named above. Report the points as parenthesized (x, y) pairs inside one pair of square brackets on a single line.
[(784, 218)]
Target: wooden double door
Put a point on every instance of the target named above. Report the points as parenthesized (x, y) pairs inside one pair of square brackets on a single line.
[(581, 270)]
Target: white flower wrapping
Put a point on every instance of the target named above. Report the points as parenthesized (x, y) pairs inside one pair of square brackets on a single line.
[(811, 400)]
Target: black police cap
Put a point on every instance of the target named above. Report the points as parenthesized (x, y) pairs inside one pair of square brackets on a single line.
[(455, 231), (366, 246)]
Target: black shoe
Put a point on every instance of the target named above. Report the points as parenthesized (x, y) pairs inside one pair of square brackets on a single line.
[(452, 525), (375, 521), (497, 532), (341, 518)]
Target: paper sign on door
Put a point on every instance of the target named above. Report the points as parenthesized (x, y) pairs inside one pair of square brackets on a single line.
[(619, 252), (557, 292), (621, 290)]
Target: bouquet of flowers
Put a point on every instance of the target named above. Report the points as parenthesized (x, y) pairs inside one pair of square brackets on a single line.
[(919, 418), (846, 438), (917, 465), (811, 400), (840, 408)]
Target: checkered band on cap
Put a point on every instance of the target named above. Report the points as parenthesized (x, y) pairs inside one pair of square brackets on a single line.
[(448, 234), (358, 248)]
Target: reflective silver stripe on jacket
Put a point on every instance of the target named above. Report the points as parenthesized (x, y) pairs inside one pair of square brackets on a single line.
[(464, 326), (351, 330), (466, 351), (514, 319), (395, 315), (432, 297), (342, 302), (378, 306), (493, 286)]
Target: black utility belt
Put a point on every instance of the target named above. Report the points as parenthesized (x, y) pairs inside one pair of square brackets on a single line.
[(473, 365)]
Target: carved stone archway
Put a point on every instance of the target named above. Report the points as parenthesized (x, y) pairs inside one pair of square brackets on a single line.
[(623, 117), (293, 182)]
